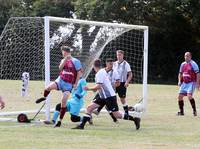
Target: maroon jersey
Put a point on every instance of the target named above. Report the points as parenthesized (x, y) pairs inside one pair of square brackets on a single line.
[(189, 71), (69, 72)]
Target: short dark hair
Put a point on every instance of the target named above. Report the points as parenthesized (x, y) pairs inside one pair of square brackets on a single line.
[(109, 60), (97, 63), (65, 48)]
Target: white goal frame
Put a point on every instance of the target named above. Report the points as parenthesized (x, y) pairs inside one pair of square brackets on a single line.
[(47, 20)]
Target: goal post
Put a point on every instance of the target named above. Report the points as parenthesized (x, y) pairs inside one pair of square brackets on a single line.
[(88, 39), (49, 19)]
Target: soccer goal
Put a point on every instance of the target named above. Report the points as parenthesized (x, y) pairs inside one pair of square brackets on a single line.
[(32, 44)]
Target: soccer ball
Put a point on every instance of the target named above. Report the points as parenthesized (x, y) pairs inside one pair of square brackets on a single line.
[(139, 107)]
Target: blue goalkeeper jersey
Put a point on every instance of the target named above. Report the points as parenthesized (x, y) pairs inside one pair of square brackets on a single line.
[(79, 92)]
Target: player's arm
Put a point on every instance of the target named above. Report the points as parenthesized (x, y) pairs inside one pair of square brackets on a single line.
[(62, 64), (79, 73), (116, 78), (180, 75), (117, 83), (196, 70), (198, 80), (99, 82), (78, 68), (83, 91), (94, 89), (83, 84), (130, 75)]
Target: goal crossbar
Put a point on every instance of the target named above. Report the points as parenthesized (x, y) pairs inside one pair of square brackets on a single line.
[(96, 23)]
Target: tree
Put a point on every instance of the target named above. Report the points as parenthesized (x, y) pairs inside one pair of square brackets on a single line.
[(174, 28)]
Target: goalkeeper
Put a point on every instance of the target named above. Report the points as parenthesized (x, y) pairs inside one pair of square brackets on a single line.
[(73, 105)]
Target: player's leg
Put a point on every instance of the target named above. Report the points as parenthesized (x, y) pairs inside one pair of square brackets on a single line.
[(98, 110), (65, 96), (111, 115), (121, 90), (191, 88), (182, 93), (113, 106), (94, 105), (87, 115), (181, 104), (66, 89), (48, 89), (56, 113), (75, 118), (75, 107)]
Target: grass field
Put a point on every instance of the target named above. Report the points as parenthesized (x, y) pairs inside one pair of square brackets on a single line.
[(160, 127)]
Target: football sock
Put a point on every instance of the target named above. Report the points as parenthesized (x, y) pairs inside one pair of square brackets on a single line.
[(46, 93), (128, 117), (99, 109), (125, 108), (84, 120), (192, 102), (181, 104), (62, 112), (55, 115), (114, 119)]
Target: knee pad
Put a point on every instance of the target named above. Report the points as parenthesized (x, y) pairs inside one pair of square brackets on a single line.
[(58, 107), (75, 118)]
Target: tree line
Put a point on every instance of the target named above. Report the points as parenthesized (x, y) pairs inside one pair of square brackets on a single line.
[(173, 25)]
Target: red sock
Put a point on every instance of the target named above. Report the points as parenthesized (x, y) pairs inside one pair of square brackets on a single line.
[(46, 93), (62, 112)]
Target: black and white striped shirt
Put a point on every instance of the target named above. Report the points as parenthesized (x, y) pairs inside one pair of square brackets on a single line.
[(122, 68)]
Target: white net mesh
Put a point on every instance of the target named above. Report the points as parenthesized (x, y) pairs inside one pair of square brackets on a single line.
[(22, 47)]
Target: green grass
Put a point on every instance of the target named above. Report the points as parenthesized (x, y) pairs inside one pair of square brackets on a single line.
[(160, 127)]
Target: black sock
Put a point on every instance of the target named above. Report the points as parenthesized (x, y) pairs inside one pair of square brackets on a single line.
[(99, 109), (126, 109), (114, 118), (181, 104), (192, 102), (128, 117), (84, 120)]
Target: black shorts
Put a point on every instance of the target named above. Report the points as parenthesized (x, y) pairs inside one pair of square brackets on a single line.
[(99, 101), (110, 102), (121, 90)]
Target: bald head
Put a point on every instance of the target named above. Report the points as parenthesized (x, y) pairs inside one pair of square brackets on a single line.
[(188, 56)]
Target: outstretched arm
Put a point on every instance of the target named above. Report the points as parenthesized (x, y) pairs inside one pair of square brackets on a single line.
[(94, 89)]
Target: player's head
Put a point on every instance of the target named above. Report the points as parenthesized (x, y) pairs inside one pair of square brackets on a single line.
[(188, 56), (109, 63), (97, 65), (120, 55), (66, 51)]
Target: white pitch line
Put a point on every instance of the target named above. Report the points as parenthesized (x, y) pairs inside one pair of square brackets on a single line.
[(16, 126)]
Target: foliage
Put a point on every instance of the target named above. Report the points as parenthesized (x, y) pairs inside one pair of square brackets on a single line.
[(174, 24)]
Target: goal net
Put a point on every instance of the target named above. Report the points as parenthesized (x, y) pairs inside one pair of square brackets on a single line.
[(32, 45)]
